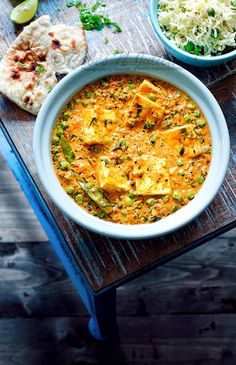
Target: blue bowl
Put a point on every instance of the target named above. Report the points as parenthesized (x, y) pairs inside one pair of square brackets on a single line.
[(200, 61)]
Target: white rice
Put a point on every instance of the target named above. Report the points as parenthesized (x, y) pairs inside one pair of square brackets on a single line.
[(188, 23)]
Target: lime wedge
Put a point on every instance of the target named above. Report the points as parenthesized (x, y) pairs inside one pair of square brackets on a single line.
[(25, 11)]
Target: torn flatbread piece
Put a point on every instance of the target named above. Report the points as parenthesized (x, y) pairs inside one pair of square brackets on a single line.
[(26, 76), (28, 70), (67, 47)]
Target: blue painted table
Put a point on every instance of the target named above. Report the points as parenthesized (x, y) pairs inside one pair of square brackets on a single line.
[(98, 265)]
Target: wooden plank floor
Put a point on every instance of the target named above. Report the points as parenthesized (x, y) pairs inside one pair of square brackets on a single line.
[(184, 313)]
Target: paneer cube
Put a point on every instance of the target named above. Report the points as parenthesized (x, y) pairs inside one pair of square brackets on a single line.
[(108, 115), (151, 176), (93, 129), (151, 90), (194, 151), (111, 177), (183, 137), (144, 110), (183, 132)]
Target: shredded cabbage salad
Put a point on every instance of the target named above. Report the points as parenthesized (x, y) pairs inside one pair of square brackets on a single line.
[(200, 27)]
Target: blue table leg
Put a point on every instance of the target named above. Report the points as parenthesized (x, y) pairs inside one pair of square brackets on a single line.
[(101, 307)]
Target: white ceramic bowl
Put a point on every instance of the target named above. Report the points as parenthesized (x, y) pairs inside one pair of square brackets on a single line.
[(143, 65)]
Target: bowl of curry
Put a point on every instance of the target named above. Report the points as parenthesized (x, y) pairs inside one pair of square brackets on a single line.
[(131, 146)]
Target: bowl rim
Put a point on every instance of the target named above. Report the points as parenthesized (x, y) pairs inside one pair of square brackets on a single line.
[(116, 230), (155, 23)]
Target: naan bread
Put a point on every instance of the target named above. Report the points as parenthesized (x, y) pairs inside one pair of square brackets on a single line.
[(67, 48), (28, 69), (26, 77)]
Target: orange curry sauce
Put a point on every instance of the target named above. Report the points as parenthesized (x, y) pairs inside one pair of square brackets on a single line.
[(130, 149)]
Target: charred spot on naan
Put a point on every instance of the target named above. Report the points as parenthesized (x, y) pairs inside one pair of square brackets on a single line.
[(15, 73), (55, 44)]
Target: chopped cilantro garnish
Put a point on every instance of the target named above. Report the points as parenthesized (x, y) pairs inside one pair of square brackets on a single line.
[(116, 51), (39, 69), (97, 5), (92, 20), (181, 152)]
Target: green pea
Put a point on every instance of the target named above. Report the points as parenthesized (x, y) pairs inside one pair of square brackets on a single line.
[(197, 113), (177, 196), (165, 199), (70, 190), (200, 180), (129, 202), (76, 101), (55, 140), (64, 124), (211, 11), (123, 143), (187, 118), (153, 138), (63, 165), (55, 150), (152, 97), (190, 196), (123, 159), (206, 149), (59, 132), (181, 172), (175, 208), (151, 202), (85, 102), (191, 106), (201, 123), (131, 195), (104, 84), (179, 163), (88, 94), (79, 198)]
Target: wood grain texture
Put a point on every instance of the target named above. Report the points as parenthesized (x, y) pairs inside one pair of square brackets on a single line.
[(106, 261), (18, 221), (183, 313)]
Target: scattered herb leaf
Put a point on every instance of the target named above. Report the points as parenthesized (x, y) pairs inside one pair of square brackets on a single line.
[(92, 20), (40, 69)]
